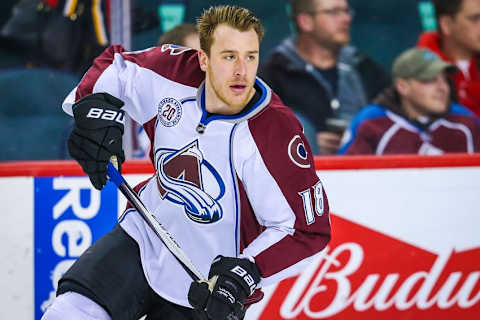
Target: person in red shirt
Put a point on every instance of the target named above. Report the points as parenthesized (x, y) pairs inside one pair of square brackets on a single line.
[(458, 41)]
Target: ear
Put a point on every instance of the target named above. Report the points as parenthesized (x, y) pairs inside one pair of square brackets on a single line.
[(203, 60), (402, 86), (305, 22), (445, 25)]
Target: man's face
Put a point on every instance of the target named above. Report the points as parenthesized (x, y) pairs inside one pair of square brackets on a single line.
[(465, 26), (230, 69), (332, 19), (430, 97)]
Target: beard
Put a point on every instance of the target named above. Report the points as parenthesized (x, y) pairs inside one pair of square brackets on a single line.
[(221, 91), (334, 41)]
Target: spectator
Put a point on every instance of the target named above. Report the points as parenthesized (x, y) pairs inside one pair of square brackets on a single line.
[(415, 115), (184, 34), (458, 41), (62, 35), (319, 75)]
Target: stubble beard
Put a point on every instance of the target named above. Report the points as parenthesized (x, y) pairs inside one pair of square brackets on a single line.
[(333, 43), (234, 106)]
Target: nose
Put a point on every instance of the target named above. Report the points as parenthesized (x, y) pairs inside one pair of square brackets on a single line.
[(442, 83), (240, 68), (346, 20), (347, 15)]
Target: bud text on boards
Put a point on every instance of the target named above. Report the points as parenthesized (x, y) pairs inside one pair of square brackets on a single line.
[(358, 278)]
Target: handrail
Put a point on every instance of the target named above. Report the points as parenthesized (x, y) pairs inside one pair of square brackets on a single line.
[(397, 161), (71, 168)]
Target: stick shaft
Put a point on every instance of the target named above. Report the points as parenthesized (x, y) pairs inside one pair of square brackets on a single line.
[(153, 223)]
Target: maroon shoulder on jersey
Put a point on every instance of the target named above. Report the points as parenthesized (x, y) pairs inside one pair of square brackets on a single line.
[(178, 64), (472, 123), (288, 158), (456, 132), (368, 135)]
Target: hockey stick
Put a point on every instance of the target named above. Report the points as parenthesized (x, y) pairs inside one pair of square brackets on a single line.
[(153, 223)]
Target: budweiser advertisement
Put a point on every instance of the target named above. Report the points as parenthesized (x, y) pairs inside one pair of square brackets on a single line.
[(405, 245), (405, 238), (371, 275)]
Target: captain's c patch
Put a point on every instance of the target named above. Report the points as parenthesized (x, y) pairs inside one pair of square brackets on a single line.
[(298, 153)]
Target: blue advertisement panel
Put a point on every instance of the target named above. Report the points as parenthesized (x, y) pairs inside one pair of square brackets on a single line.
[(70, 214)]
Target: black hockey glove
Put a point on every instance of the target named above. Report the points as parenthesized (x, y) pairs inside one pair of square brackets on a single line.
[(97, 135), (232, 280)]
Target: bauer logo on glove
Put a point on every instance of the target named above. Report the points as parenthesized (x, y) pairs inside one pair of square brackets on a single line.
[(97, 113)]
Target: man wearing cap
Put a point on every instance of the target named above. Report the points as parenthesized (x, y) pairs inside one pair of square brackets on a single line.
[(415, 115)]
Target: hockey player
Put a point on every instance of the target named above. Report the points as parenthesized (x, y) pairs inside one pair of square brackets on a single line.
[(235, 182)]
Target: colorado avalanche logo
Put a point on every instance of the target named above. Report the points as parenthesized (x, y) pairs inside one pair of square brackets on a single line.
[(298, 153), (169, 112), (182, 176), (174, 49)]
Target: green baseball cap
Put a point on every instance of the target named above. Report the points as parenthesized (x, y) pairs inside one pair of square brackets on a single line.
[(421, 64)]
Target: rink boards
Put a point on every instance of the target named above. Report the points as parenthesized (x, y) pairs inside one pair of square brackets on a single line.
[(406, 239)]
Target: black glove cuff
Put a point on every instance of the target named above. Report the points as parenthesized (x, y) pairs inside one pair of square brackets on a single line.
[(100, 98)]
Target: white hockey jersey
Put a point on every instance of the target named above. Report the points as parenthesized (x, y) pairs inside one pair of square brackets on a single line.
[(233, 185)]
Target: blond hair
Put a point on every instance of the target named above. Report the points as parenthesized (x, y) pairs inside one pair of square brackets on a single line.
[(236, 17)]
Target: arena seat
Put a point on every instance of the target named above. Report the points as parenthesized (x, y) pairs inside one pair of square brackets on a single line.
[(32, 123)]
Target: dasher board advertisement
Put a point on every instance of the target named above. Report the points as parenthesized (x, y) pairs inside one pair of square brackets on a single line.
[(405, 245), (405, 239), (69, 214)]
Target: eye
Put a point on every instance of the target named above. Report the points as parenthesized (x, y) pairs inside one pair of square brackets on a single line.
[(474, 18), (251, 57), (229, 57)]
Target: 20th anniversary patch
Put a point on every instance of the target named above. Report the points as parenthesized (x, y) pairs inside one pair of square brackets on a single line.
[(169, 112)]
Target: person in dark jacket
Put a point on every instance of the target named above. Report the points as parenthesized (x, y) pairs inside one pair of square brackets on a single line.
[(416, 114), (317, 74)]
